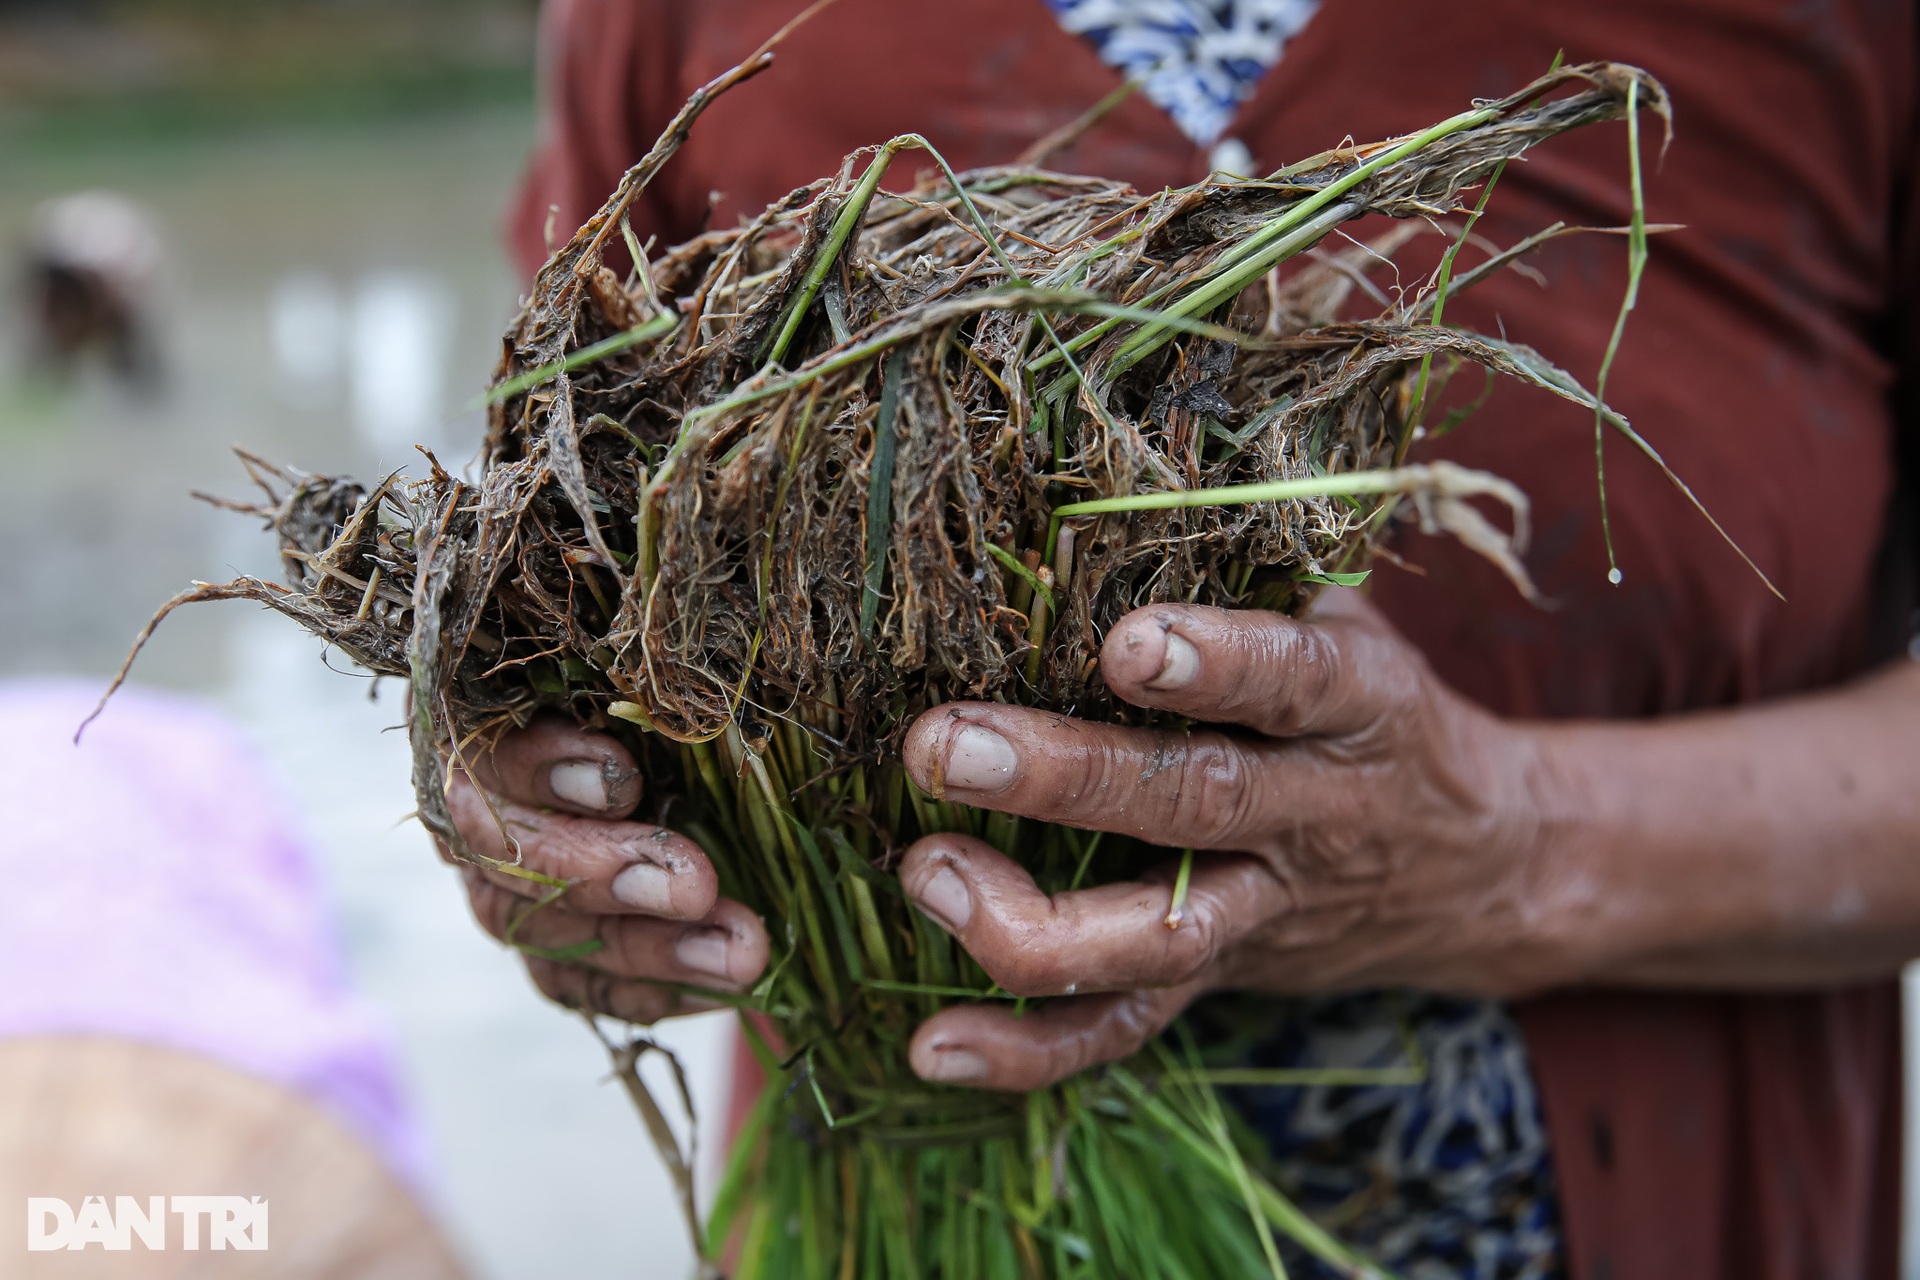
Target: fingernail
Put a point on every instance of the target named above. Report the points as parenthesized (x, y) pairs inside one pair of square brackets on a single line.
[(579, 782), (944, 897), (953, 1064), (978, 759), (1179, 668), (646, 887), (703, 951)]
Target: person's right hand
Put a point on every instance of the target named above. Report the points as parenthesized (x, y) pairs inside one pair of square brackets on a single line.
[(556, 801)]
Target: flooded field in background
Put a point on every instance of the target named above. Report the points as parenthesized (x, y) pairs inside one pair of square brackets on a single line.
[(329, 298)]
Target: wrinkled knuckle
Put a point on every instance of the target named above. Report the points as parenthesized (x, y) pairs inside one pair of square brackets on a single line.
[(1078, 1042), (1308, 684), (594, 992), (492, 907), (1026, 970), (640, 1004), (1026, 958), (1195, 946), (555, 981), (1215, 800), (1133, 1021), (601, 993), (1066, 1056), (1089, 779), (623, 949)]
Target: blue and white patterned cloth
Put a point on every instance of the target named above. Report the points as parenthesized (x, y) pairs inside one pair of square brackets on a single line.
[(1198, 59), (1448, 1179)]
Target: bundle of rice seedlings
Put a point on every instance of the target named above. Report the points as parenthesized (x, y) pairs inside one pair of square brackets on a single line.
[(758, 504)]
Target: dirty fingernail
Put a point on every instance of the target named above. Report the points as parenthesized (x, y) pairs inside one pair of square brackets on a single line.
[(1179, 667), (952, 1064), (645, 887), (703, 951), (944, 897), (978, 759), (582, 783)]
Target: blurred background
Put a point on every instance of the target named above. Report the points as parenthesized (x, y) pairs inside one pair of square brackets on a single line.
[(301, 202)]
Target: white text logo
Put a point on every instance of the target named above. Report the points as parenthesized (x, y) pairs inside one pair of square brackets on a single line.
[(232, 1222)]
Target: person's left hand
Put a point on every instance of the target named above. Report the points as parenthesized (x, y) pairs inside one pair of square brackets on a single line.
[(1372, 828)]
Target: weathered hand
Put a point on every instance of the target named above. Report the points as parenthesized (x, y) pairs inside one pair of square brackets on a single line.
[(1372, 828), (647, 895)]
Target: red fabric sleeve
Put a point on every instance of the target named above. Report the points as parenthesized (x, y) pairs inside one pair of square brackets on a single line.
[(1899, 616), (982, 79), (1718, 1136), (609, 83)]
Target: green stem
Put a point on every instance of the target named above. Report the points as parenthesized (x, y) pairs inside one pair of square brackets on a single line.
[(1636, 266), (1273, 243), (1182, 879), (1442, 282), (829, 256), (1223, 288), (880, 496), (654, 328), (1385, 480), (1277, 1209)]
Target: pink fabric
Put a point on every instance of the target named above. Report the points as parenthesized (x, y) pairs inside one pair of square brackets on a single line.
[(159, 890)]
